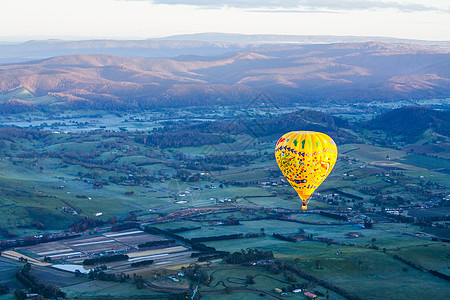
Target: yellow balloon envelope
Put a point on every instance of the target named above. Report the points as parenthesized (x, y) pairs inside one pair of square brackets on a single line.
[(305, 158)]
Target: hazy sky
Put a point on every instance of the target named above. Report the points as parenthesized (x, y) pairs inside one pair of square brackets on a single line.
[(140, 19)]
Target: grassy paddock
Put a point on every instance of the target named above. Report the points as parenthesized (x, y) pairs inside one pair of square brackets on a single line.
[(368, 153)]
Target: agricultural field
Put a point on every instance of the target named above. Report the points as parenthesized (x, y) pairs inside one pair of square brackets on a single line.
[(235, 278), (426, 162), (377, 274), (363, 272), (370, 153), (85, 172)]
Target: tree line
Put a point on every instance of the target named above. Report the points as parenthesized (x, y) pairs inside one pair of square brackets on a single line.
[(105, 259), (36, 286), (251, 255), (156, 243)]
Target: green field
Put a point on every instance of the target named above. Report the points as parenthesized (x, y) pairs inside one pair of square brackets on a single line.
[(115, 173), (378, 276), (369, 153), (264, 282), (104, 289), (429, 256), (426, 162), (21, 195)]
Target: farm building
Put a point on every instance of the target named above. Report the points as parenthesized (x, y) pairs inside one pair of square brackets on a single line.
[(310, 295)]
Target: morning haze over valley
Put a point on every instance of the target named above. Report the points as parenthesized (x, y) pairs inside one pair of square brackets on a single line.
[(224, 150)]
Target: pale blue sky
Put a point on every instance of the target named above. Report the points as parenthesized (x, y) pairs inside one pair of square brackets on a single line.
[(140, 19)]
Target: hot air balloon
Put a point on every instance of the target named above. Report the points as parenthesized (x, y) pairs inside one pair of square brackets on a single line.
[(305, 158)]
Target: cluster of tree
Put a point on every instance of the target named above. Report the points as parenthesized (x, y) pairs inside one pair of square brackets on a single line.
[(218, 255), (428, 221), (284, 238), (4, 289), (85, 224), (20, 294), (184, 229), (108, 276), (139, 282), (194, 272), (249, 235), (265, 126), (98, 274), (133, 180), (382, 200), (328, 241), (230, 221), (156, 243), (250, 279), (290, 276), (12, 134), (92, 159), (186, 176), (410, 122), (97, 269), (142, 263), (219, 237), (15, 106), (210, 162), (7, 232), (109, 144), (307, 119), (105, 259), (250, 256), (37, 286), (182, 138)]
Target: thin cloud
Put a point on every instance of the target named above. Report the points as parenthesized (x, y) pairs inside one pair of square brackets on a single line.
[(310, 5), (297, 11), (233, 3)]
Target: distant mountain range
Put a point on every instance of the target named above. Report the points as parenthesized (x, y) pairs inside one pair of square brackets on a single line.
[(200, 44), (342, 73), (162, 48), (294, 39)]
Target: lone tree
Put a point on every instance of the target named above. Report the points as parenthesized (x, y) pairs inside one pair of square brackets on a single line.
[(373, 241), (290, 276), (318, 264), (26, 268)]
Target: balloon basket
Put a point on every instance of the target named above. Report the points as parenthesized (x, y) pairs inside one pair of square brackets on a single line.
[(304, 206)]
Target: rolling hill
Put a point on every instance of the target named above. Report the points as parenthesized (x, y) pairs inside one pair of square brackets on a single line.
[(342, 73), (411, 122)]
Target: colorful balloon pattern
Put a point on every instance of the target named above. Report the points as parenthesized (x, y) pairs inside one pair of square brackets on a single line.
[(306, 158)]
